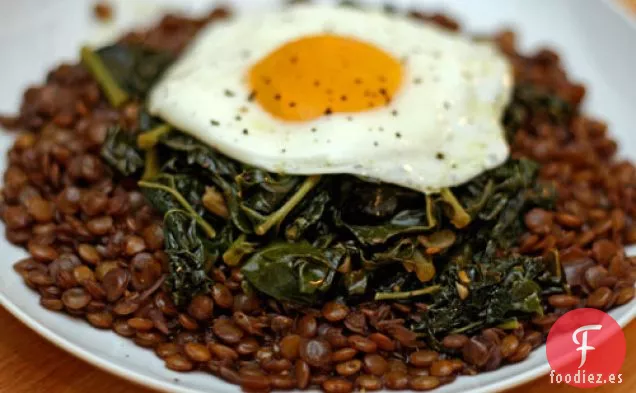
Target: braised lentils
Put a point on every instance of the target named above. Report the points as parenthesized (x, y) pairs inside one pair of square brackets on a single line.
[(97, 248)]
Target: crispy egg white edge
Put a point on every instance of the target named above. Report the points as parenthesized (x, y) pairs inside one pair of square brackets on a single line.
[(459, 102)]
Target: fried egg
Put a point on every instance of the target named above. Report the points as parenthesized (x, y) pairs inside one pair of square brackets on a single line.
[(315, 89)]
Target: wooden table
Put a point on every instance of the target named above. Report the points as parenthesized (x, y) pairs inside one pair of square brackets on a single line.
[(30, 364)]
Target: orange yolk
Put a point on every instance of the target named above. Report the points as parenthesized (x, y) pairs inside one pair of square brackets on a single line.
[(324, 74)]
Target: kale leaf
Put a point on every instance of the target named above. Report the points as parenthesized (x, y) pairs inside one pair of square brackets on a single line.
[(296, 272), (120, 151), (188, 259), (135, 68)]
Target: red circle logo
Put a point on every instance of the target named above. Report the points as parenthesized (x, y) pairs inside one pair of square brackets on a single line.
[(586, 348)]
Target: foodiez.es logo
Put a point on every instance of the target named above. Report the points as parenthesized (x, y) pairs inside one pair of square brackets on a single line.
[(586, 348)]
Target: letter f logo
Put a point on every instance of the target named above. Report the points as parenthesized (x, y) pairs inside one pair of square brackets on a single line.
[(584, 347)]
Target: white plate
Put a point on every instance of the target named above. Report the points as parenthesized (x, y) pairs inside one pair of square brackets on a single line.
[(595, 40)]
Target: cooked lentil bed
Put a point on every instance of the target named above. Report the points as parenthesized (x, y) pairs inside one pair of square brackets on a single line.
[(97, 248)]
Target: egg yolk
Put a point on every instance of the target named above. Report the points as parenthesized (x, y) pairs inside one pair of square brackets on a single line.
[(324, 74)]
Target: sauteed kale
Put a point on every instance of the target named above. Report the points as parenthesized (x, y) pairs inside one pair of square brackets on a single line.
[(309, 239)]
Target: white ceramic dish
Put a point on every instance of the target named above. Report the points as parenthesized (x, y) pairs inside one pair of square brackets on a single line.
[(593, 38)]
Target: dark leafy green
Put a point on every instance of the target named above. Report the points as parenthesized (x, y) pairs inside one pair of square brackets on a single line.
[(120, 151), (404, 223), (310, 212), (297, 272), (309, 239), (356, 282), (135, 68), (534, 103), (499, 289), (168, 192), (189, 260)]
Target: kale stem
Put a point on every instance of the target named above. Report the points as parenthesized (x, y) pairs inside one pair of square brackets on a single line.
[(460, 218), (149, 139), (237, 250), (466, 328), (280, 214), (151, 165), (407, 295), (430, 212), (510, 324), (207, 228), (115, 94)]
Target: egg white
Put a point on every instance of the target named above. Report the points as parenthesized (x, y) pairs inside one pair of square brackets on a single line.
[(443, 127)]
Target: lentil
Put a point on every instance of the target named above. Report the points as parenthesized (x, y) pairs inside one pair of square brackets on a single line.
[(375, 364), (223, 352), (100, 319), (316, 352), (363, 344), (349, 368), (307, 326), (337, 385), (197, 352), (599, 298), (334, 311), (289, 346), (178, 362), (423, 382), (396, 380), (343, 354), (75, 298)]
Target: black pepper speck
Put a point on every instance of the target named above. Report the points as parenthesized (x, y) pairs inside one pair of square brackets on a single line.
[(376, 144), (228, 93), (215, 123), (245, 131), (439, 156), (398, 135)]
